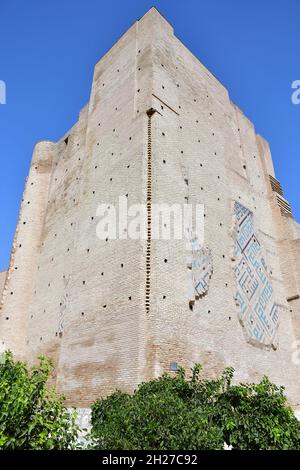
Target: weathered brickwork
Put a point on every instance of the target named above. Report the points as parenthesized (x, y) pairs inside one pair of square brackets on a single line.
[(159, 128), (2, 281)]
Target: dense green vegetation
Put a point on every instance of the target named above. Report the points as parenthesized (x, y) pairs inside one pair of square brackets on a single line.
[(185, 412), (195, 413), (32, 416)]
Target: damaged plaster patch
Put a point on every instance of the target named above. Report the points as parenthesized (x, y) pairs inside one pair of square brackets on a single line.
[(201, 267), (258, 312)]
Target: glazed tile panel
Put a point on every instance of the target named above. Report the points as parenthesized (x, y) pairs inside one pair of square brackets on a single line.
[(258, 312)]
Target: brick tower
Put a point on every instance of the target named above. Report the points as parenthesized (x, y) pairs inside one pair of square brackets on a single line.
[(159, 128)]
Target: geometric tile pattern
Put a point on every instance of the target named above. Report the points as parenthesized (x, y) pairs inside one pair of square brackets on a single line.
[(258, 312), (202, 268)]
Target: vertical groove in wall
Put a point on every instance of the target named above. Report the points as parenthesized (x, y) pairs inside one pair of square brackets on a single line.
[(150, 113)]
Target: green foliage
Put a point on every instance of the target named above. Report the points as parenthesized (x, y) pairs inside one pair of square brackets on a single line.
[(31, 415), (192, 413)]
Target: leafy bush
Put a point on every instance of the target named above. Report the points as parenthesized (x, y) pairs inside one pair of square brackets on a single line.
[(31, 415), (183, 413)]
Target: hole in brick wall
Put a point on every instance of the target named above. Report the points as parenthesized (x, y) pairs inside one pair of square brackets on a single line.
[(163, 133), (218, 198), (221, 224), (88, 250), (219, 177), (82, 313), (66, 140), (130, 138), (103, 84), (177, 85), (122, 265), (201, 188), (92, 218), (41, 339), (102, 274), (118, 70), (186, 181), (210, 114), (199, 141), (191, 305), (181, 151), (139, 68), (244, 166), (98, 143), (163, 87), (110, 179), (179, 107), (83, 282), (96, 166), (128, 166), (229, 318), (104, 306), (164, 297), (161, 107), (195, 100), (180, 127), (165, 260), (209, 311), (162, 65), (99, 124), (24, 223), (138, 90), (11, 293), (129, 298), (226, 284), (31, 184), (201, 164), (197, 121), (6, 318), (164, 161), (223, 256)]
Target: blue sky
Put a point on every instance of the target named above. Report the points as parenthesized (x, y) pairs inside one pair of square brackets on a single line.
[(48, 50)]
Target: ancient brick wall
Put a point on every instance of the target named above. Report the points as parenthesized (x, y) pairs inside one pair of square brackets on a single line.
[(159, 128)]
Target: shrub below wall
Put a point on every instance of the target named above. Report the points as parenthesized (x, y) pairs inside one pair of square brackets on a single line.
[(183, 413), (32, 416)]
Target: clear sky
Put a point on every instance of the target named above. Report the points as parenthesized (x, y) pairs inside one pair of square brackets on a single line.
[(48, 50)]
